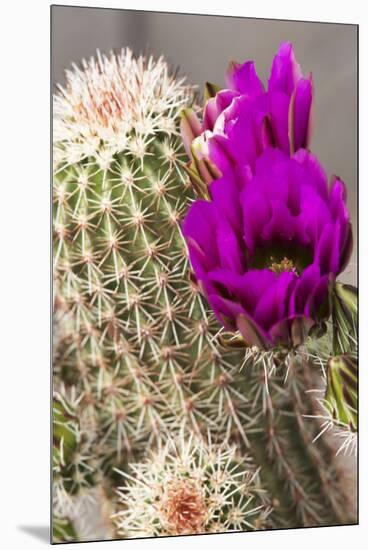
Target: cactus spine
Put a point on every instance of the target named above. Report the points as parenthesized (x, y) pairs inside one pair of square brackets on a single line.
[(134, 340)]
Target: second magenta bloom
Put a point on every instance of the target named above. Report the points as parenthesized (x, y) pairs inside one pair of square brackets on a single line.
[(241, 121), (267, 246)]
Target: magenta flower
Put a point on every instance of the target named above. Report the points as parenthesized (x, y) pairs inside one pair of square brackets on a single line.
[(267, 246), (240, 122)]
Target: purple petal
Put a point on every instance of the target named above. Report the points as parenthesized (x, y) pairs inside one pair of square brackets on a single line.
[(337, 200), (256, 214), (225, 310), (327, 254), (340, 214), (285, 71), (303, 288), (301, 110), (237, 123), (278, 106), (274, 303), (225, 193), (347, 249), (270, 160), (228, 245), (244, 79), (252, 332), (239, 107), (294, 179), (279, 179), (198, 225), (248, 288), (281, 226), (313, 217), (211, 114), (201, 265), (224, 99), (314, 174), (243, 175), (215, 106), (251, 127), (318, 296), (221, 151)]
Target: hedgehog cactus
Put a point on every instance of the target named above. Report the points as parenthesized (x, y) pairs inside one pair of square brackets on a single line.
[(136, 344), (132, 335)]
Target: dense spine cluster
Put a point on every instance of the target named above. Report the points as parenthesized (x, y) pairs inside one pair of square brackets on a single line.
[(190, 486), (136, 350)]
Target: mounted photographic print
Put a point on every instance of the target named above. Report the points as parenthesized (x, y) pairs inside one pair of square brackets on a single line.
[(205, 338)]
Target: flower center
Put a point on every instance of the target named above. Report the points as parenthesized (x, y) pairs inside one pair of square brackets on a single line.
[(284, 265), (282, 257)]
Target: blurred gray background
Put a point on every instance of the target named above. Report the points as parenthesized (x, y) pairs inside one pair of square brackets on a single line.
[(201, 46)]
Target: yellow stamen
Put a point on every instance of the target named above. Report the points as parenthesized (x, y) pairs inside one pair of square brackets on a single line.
[(284, 265)]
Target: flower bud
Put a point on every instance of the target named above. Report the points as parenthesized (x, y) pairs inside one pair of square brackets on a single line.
[(342, 388), (345, 317)]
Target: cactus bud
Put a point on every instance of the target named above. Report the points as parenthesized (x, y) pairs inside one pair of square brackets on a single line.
[(344, 315), (190, 486), (342, 389), (210, 90)]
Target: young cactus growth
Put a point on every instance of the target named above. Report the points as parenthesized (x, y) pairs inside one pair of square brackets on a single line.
[(190, 486)]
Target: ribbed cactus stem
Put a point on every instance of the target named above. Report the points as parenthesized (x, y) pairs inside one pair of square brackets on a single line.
[(133, 337), (297, 468)]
